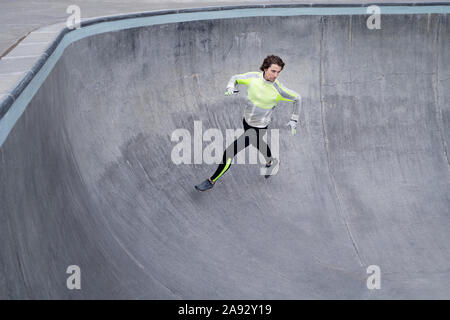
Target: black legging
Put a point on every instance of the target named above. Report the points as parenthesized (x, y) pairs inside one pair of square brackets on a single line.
[(240, 143)]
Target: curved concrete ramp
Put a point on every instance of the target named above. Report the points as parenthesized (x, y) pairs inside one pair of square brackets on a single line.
[(87, 177)]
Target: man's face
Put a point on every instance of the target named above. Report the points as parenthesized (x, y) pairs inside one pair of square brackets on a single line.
[(272, 72)]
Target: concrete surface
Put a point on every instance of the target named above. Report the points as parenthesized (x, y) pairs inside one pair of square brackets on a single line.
[(87, 178)]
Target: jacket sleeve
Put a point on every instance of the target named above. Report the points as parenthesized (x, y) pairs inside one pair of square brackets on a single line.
[(243, 78), (285, 94)]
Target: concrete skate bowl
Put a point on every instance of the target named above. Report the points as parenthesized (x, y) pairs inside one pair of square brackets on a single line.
[(87, 177)]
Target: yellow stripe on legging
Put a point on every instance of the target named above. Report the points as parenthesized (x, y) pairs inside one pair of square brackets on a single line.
[(224, 169)]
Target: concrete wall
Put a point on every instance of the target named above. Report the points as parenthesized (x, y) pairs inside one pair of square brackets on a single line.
[(87, 177)]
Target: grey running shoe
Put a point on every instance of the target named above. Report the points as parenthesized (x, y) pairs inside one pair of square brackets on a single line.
[(271, 168), (205, 185)]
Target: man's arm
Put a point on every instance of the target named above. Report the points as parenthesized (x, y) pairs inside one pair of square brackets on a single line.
[(286, 94), (243, 78)]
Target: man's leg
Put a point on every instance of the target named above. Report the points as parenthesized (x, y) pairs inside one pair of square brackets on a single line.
[(228, 155), (272, 164), (262, 146), (257, 141)]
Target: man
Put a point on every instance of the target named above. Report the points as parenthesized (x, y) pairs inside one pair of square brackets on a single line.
[(264, 91)]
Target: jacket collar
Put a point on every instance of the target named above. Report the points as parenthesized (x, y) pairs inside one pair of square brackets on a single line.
[(265, 81)]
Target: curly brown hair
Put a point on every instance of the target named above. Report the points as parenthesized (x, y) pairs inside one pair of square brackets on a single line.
[(269, 60)]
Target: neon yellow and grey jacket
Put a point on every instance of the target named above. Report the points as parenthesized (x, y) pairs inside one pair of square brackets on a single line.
[(263, 96)]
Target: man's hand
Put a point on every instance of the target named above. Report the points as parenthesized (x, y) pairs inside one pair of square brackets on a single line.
[(231, 91), (293, 125)]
